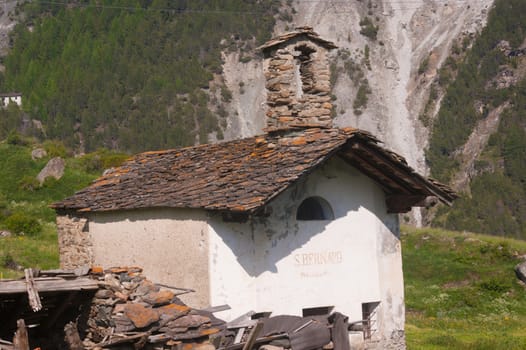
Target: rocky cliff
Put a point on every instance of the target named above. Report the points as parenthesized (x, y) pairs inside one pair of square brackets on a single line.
[(407, 34), (388, 58)]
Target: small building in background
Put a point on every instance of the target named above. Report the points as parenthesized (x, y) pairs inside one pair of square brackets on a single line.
[(13, 97)]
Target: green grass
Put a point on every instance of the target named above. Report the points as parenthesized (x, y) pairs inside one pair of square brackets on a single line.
[(16, 166), (30, 204), (39, 252), (462, 292)]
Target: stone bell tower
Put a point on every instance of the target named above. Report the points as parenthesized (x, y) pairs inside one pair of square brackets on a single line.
[(298, 80)]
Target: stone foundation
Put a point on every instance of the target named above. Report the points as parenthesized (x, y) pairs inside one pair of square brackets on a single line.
[(395, 342)]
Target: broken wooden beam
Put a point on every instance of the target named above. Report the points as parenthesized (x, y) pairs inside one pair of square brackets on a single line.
[(21, 340), (48, 284), (251, 340), (6, 345), (32, 291)]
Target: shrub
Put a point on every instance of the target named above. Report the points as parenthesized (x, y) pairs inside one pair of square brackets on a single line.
[(14, 138), (368, 28), (245, 59), (226, 95), (102, 159), (7, 261), (366, 57), (21, 223), (424, 65), (55, 148), (495, 286), (28, 183)]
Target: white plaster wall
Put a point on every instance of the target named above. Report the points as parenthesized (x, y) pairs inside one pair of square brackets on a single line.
[(391, 316), (265, 264), (171, 245)]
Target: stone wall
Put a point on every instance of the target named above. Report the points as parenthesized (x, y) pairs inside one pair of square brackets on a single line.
[(74, 242), (298, 85)]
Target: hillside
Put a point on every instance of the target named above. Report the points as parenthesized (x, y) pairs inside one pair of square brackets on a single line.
[(461, 291), (24, 211), (129, 75), (478, 139)]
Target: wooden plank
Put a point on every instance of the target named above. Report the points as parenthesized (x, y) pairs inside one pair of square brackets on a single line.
[(242, 321), (48, 285), (6, 345), (32, 291), (218, 308), (21, 339), (239, 335), (123, 339), (253, 336)]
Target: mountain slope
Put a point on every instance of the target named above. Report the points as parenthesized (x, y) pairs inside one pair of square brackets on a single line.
[(479, 136), (129, 75)]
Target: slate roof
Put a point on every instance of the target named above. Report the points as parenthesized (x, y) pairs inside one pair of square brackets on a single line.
[(241, 176), (298, 32)]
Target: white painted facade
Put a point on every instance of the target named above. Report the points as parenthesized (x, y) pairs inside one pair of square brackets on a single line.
[(283, 265), (273, 263)]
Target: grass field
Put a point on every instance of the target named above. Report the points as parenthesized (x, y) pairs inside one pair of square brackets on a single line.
[(462, 292), (39, 252)]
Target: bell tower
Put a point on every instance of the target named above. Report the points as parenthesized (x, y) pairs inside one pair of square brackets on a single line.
[(298, 80)]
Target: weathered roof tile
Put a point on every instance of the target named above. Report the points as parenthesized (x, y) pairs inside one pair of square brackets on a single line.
[(243, 175)]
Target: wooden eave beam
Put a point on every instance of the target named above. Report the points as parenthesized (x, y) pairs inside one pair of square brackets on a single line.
[(390, 184), (386, 165), (420, 182), (403, 203)]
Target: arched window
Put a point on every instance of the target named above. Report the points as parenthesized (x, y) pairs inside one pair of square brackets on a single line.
[(314, 208)]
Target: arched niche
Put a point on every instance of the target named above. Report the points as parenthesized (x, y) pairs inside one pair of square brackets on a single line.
[(314, 208)]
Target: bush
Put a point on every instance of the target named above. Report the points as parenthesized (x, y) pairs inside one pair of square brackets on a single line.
[(14, 138), (424, 65), (226, 95), (495, 286), (21, 223), (368, 28), (28, 183), (55, 148), (102, 159)]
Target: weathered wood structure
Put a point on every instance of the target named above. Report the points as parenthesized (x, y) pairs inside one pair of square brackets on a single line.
[(45, 303)]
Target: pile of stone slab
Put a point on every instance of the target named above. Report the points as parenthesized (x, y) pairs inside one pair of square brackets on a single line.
[(130, 309), (119, 308), (131, 312)]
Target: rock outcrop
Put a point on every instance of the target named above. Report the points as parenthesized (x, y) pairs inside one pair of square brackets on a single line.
[(54, 168)]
